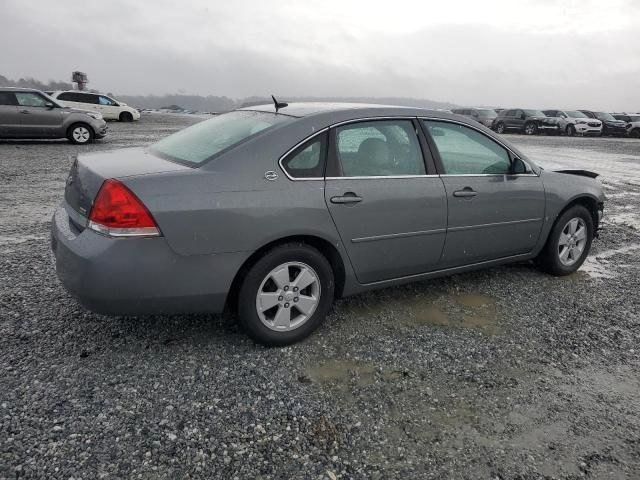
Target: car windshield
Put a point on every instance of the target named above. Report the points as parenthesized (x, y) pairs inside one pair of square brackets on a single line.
[(534, 113), (202, 141), (487, 113), (604, 116), (576, 114)]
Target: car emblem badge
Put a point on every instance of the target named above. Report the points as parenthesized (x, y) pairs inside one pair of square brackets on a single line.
[(270, 175)]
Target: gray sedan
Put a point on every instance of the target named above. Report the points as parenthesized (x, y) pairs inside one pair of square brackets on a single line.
[(277, 213)]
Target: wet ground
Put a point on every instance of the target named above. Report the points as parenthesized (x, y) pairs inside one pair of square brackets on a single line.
[(505, 373)]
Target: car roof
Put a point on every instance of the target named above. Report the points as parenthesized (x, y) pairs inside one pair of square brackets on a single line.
[(307, 109)]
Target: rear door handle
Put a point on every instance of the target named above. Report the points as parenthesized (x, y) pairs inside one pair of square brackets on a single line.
[(25, 111), (465, 192), (348, 197)]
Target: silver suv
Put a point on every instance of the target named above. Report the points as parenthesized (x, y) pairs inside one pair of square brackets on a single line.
[(28, 113)]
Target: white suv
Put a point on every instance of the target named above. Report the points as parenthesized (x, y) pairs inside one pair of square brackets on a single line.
[(107, 106), (573, 122)]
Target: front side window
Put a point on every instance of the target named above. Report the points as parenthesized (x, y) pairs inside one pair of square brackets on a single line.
[(307, 161), (465, 151), (604, 116), (201, 142), (379, 148), (30, 99), (102, 100)]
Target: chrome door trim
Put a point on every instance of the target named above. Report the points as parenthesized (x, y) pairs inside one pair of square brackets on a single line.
[(495, 224), (398, 235), (381, 177)]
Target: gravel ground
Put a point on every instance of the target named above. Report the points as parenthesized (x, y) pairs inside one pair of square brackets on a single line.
[(502, 374)]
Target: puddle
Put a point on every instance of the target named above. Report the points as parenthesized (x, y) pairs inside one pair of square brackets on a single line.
[(601, 265), (475, 300), (343, 371)]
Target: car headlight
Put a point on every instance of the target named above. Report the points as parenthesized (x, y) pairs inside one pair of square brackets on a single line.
[(96, 115)]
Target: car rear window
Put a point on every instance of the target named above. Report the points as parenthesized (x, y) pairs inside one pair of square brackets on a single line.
[(203, 141)]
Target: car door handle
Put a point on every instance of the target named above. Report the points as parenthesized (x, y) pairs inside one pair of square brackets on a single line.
[(25, 111), (465, 192), (348, 197)]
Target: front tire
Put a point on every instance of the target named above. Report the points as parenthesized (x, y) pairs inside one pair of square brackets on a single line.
[(569, 242), (80, 134), (530, 129), (571, 130), (635, 133), (500, 127), (126, 117), (286, 295)]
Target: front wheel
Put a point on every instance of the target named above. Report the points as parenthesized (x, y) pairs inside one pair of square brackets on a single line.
[(500, 127), (571, 130), (569, 242), (286, 295), (635, 133), (126, 117), (80, 134), (531, 129)]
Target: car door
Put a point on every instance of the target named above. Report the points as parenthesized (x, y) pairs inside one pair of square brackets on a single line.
[(389, 209), (107, 107), (9, 116), (38, 116), (493, 213)]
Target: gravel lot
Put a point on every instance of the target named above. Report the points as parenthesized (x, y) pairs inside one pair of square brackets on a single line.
[(502, 374)]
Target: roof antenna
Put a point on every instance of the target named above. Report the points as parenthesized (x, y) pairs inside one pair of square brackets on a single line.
[(278, 104)]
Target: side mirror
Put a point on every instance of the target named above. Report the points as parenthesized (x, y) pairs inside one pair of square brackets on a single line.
[(518, 167), (49, 105)]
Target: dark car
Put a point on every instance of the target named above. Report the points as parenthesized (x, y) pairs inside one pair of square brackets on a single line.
[(485, 116), (280, 212), (28, 113), (610, 125), (529, 122)]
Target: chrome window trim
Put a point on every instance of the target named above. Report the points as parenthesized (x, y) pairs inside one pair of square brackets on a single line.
[(283, 156), (402, 117), (381, 177), (506, 147)]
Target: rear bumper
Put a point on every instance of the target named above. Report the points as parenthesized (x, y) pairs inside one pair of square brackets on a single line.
[(134, 276)]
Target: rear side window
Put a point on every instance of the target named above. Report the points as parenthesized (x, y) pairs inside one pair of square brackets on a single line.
[(465, 151), (378, 149), (307, 161), (202, 141), (8, 98)]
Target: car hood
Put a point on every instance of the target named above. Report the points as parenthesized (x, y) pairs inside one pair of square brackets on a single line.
[(617, 123)]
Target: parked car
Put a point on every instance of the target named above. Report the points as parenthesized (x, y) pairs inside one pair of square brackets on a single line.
[(633, 123), (29, 113), (485, 116), (610, 126), (109, 108), (529, 122), (574, 122), (280, 212)]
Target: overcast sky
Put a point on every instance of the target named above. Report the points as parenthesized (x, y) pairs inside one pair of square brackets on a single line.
[(542, 53)]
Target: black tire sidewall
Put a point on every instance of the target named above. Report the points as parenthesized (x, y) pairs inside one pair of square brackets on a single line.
[(76, 125), (534, 131), (549, 259), (126, 117), (571, 131), (500, 127), (247, 314)]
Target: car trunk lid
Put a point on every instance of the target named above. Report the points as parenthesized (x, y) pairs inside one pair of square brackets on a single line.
[(89, 171)]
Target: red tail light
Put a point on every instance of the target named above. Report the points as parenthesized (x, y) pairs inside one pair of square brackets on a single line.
[(117, 212)]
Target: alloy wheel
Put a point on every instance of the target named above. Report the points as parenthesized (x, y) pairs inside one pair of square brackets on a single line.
[(81, 134), (288, 296), (572, 241)]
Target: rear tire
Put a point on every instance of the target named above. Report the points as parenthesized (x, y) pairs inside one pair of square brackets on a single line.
[(80, 134), (272, 309), (126, 117), (569, 242)]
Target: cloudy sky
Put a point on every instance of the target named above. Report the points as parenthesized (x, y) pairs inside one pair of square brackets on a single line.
[(544, 53)]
